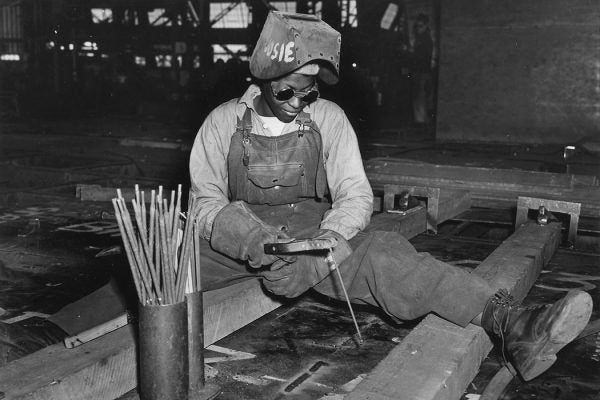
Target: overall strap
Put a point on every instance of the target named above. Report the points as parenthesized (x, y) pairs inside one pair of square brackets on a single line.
[(244, 128), (306, 125), (303, 119)]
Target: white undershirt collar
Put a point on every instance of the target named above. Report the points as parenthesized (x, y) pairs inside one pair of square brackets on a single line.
[(273, 126)]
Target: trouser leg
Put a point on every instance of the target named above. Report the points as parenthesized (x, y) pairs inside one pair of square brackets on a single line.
[(218, 270), (386, 271)]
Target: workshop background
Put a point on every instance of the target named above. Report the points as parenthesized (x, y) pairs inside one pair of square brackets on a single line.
[(97, 95)]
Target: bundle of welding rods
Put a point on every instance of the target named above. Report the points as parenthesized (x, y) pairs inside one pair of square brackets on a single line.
[(162, 246)]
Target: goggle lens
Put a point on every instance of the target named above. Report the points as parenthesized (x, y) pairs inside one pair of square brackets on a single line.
[(286, 94)]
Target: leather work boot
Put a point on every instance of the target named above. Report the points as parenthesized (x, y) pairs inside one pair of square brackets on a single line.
[(533, 335)]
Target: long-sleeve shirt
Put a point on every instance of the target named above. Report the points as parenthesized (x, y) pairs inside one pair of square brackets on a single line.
[(351, 194)]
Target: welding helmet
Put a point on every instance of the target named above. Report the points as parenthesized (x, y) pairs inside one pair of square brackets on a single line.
[(289, 41)]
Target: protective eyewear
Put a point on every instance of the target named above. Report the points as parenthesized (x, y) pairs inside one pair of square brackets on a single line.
[(286, 94)]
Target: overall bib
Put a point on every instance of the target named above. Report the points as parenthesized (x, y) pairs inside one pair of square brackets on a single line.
[(283, 181)]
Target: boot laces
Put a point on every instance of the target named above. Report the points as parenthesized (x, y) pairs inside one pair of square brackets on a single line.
[(502, 300)]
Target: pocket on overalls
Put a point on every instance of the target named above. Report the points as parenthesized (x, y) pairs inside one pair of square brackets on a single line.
[(269, 176)]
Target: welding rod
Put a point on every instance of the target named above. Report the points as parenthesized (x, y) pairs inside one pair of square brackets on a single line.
[(333, 265), (159, 261)]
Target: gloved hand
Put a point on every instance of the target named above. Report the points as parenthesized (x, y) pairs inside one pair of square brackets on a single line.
[(291, 279), (239, 233)]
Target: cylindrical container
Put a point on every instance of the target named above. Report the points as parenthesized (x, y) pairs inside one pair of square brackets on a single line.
[(195, 343), (163, 352)]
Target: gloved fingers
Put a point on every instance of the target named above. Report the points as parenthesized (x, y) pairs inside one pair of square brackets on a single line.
[(256, 254), (342, 250), (325, 233), (286, 287), (278, 265), (283, 287), (279, 272), (283, 237), (289, 280), (287, 258), (277, 286), (259, 259)]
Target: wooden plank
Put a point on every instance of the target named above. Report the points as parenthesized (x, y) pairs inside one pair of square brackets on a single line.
[(438, 359), (453, 203), (483, 176), (155, 144), (106, 368), (497, 194)]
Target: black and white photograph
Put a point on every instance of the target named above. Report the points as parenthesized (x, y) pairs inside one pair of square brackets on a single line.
[(299, 200)]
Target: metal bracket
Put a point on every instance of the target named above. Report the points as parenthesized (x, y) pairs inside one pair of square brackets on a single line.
[(524, 204), (432, 195)]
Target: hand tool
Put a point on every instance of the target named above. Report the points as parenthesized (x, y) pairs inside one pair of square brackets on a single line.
[(315, 244), (296, 246)]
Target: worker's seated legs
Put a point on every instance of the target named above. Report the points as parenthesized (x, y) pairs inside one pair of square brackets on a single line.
[(532, 336), (386, 271)]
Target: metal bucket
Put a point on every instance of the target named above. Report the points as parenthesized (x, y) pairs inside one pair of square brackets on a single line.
[(163, 352), (195, 343)]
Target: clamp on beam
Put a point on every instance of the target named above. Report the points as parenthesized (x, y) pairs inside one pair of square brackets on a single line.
[(524, 204), (432, 195)]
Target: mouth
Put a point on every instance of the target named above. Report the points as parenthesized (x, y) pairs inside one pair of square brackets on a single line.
[(291, 113)]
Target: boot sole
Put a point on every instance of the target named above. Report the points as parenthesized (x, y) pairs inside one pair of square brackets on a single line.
[(573, 318)]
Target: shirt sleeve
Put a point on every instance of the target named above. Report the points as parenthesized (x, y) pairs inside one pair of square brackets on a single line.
[(351, 193), (208, 165)]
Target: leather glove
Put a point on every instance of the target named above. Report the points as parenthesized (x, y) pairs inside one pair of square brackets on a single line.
[(291, 279), (237, 232)]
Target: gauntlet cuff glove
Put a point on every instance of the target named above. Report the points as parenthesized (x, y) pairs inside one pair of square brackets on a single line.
[(237, 232), (292, 279)]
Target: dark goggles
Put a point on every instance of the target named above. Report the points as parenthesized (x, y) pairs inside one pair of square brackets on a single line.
[(288, 93)]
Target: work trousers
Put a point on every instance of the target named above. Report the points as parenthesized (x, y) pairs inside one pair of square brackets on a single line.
[(384, 270)]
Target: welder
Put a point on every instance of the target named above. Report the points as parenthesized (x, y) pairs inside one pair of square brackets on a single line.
[(281, 162)]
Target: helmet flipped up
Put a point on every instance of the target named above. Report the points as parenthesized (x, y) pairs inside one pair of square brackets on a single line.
[(288, 41)]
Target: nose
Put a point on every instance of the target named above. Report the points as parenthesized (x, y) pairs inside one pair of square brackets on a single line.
[(295, 102)]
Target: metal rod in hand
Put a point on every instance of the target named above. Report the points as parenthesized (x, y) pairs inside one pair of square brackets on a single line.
[(333, 265)]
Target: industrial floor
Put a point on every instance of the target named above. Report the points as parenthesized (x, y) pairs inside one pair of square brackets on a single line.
[(55, 248)]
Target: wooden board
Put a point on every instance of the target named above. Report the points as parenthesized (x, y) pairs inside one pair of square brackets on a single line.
[(438, 359), (106, 368), (489, 187), (491, 177), (453, 203)]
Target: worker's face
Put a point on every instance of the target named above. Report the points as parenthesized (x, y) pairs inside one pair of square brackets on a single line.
[(303, 87)]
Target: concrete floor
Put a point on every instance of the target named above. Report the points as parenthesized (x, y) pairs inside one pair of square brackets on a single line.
[(303, 350)]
